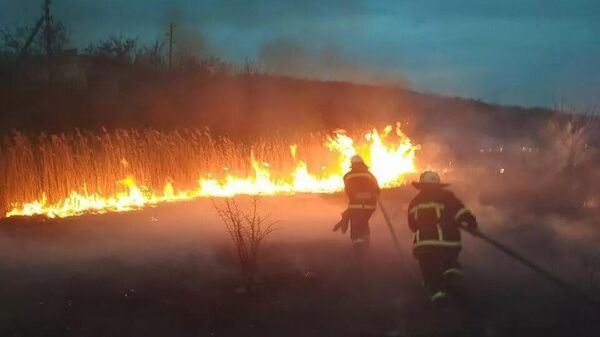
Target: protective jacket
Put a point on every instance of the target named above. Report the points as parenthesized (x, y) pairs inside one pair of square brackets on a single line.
[(362, 188), (434, 216)]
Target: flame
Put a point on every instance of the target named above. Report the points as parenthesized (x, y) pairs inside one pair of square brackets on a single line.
[(389, 160)]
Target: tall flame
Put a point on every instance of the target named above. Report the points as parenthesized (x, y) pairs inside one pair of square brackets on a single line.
[(389, 160)]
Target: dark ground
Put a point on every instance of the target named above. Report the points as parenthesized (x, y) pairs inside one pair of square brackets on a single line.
[(165, 272)]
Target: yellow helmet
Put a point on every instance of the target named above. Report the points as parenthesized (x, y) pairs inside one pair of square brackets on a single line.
[(428, 179)]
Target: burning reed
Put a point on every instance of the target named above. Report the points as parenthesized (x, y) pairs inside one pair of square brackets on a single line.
[(69, 174)]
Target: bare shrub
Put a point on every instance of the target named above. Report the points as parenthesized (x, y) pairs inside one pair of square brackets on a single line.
[(574, 137), (247, 230), (117, 48), (571, 158), (151, 56)]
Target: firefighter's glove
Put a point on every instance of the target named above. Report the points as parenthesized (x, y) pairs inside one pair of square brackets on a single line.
[(343, 224), (470, 222)]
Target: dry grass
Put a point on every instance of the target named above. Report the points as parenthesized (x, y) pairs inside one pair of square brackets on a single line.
[(96, 161)]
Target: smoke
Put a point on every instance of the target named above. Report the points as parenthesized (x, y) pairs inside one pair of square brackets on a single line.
[(164, 230), (303, 56), (286, 56), (533, 192)]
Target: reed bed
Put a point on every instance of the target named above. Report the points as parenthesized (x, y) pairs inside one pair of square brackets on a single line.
[(95, 162)]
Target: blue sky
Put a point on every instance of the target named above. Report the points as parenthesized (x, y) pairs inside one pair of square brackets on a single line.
[(522, 52)]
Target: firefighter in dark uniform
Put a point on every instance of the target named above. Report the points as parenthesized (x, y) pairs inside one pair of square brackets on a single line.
[(434, 215), (362, 190)]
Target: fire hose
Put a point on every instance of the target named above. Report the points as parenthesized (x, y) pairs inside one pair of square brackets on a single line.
[(390, 226), (568, 287), (388, 221), (559, 282)]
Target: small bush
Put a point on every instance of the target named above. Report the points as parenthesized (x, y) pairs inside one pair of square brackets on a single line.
[(247, 230)]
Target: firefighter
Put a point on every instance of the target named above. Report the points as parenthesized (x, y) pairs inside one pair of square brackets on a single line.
[(362, 190), (434, 215)]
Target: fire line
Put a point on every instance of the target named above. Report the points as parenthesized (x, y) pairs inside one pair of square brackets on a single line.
[(390, 155)]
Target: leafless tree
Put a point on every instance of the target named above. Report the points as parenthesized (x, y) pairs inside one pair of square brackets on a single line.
[(247, 230), (249, 68), (118, 48), (151, 56), (55, 39)]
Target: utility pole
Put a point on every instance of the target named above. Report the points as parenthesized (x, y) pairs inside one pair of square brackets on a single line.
[(47, 28), (171, 26), (23, 51), (44, 21)]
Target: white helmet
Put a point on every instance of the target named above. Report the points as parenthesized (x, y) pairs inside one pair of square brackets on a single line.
[(428, 179)]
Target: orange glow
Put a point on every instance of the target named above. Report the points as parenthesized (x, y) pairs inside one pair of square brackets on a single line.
[(390, 155)]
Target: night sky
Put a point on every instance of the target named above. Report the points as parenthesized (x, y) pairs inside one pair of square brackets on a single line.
[(522, 52)]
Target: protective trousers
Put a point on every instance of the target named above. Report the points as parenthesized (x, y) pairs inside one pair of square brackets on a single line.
[(441, 272), (359, 228)]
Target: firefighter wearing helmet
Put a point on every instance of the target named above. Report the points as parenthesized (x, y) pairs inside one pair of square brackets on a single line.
[(362, 190), (434, 215)]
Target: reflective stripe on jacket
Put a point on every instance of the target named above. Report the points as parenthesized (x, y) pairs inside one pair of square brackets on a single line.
[(362, 188), (433, 216)]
